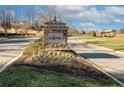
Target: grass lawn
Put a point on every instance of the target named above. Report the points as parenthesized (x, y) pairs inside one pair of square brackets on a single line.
[(9, 37), (116, 43), (3, 38), (21, 76)]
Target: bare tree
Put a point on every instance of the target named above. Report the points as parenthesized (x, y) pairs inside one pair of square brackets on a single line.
[(6, 18), (26, 26), (30, 17), (48, 13), (16, 25)]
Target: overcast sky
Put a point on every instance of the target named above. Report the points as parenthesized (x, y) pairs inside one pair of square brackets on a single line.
[(85, 17)]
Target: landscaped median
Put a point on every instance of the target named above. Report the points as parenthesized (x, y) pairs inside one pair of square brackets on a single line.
[(38, 67)]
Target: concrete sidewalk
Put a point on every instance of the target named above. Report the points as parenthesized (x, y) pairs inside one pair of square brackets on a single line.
[(109, 60), (11, 48)]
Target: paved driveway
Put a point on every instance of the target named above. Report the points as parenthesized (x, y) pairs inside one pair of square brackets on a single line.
[(110, 61), (11, 48)]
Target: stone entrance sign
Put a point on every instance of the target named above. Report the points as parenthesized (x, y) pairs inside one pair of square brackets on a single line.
[(54, 38), (55, 34)]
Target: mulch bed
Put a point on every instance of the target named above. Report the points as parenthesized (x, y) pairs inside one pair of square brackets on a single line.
[(78, 67)]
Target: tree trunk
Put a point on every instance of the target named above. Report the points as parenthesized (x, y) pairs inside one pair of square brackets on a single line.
[(5, 32)]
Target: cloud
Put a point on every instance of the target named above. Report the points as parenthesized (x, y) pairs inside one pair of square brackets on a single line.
[(76, 8), (90, 13), (91, 16), (88, 26), (117, 20), (114, 10), (70, 11)]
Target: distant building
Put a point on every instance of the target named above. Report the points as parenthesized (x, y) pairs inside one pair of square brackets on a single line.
[(106, 33)]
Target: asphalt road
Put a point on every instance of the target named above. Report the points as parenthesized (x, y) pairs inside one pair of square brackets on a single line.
[(111, 61), (11, 48)]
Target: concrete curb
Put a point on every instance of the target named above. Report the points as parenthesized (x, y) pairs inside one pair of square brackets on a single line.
[(10, 62), (99, 46), (119, 52)]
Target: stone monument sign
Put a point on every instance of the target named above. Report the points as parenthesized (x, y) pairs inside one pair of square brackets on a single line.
[(55, 34)]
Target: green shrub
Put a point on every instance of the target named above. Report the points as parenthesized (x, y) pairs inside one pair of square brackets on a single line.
[(34, 47)]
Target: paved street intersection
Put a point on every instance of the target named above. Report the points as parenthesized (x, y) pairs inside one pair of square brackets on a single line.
[(111, 61)]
